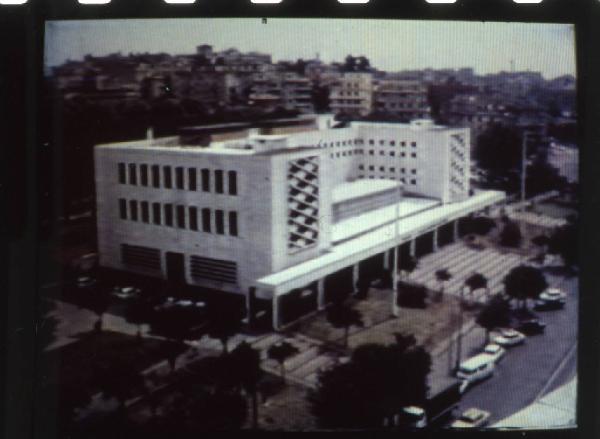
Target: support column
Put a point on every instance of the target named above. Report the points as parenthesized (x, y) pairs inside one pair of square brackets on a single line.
[(413, 247), (276, 322), (321, 294), (435, 239), (250, 306), (455, 230), (354, 278), (386, 260), (395, 308)]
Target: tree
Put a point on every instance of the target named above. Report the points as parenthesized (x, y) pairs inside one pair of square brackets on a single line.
[(408, 264), (248, 371), (524, 282), (564, 242), (498, 150), (120, 381), (341, 315), (480, 225), (224, 321), (510, 235), (543, 177), (97, 302), (137, 313), (280, 352), (475, 282), (496, 313), (442, 275), (376, 383)]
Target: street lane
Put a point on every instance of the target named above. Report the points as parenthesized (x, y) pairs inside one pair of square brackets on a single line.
[(526, 370)]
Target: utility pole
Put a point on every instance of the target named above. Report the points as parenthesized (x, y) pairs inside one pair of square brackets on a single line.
[(523, 166), (460, 324)]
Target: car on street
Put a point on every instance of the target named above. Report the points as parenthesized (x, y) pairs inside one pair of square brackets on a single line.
[(126, 293), (85, 281), (496, 352), (509, 337), (531, 327), (542, 305), (553, 294), (472, 418), (475, 369)]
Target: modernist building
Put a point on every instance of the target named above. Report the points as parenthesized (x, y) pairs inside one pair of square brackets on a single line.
[(406, 99), (286, 213), (352, 94)]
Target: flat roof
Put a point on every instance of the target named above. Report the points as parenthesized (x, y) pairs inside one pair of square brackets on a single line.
[(382, 238), (360, 224), (360, 188)]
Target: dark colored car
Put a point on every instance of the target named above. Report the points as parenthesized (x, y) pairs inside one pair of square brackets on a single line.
[(549, 306), (531, 327)]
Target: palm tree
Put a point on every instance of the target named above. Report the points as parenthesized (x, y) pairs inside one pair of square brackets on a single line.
[(280, 352), (443, 275), (341, 315)]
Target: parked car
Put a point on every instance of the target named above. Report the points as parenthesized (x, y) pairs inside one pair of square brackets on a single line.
[(553, 294), (475, 369), (495, 351), (472, 418), (509, 337), (85, 281), (543, 305), (126, 293), (531, 327)]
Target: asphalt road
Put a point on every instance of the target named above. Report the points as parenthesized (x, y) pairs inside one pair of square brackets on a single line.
[(540, 365)]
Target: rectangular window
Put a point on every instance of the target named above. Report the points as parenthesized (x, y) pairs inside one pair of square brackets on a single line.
[(413, 144), (169, 215), (392, 153), (413, 154), (233, 225), (206, 180), (181, 217), (413, 181), (392, 169), (156, 213), (167, 179), (192, 179), (206, 219), (144, 175), (193, 218), (155, 176), (232, 175), (122, 208), (132, 174), (145, 212), (122, 173), (403, 143), (371, 168), (179, 177), (133, 210), (220, 222), (382, 168), (371, 152), (219, 181)]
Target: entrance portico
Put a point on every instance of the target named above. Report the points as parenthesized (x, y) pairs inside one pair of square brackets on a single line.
[(337, 271)]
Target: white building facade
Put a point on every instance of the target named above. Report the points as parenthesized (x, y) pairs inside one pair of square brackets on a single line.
[(260, 215)]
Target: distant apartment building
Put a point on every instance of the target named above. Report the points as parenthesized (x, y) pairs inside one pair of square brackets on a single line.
[(232, 60), (281, 89), (406, 99), (283, 213), (352, 94)]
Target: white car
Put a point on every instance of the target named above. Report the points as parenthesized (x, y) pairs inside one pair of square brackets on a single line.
[(85, 281), (495, 351), (509, 337), (472, 418), (553, 295), (126, 292)]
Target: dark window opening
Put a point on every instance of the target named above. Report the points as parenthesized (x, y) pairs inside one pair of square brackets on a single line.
[(233, 225), (169, 215), (220, 222)]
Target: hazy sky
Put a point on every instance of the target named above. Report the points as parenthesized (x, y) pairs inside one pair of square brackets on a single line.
[(389, 44)]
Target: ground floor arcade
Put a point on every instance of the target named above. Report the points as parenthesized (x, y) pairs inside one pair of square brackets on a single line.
[(352, 265)]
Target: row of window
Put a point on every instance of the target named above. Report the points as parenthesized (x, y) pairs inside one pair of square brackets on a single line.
[(412, 181), (393, 153), (178, 178), (393, 143), (175, 216), (382, 168), (371, 152)]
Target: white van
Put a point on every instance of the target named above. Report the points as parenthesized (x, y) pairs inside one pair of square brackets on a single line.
[(476, 369)]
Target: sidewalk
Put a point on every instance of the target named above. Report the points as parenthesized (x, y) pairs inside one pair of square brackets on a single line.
[(555, 410)]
